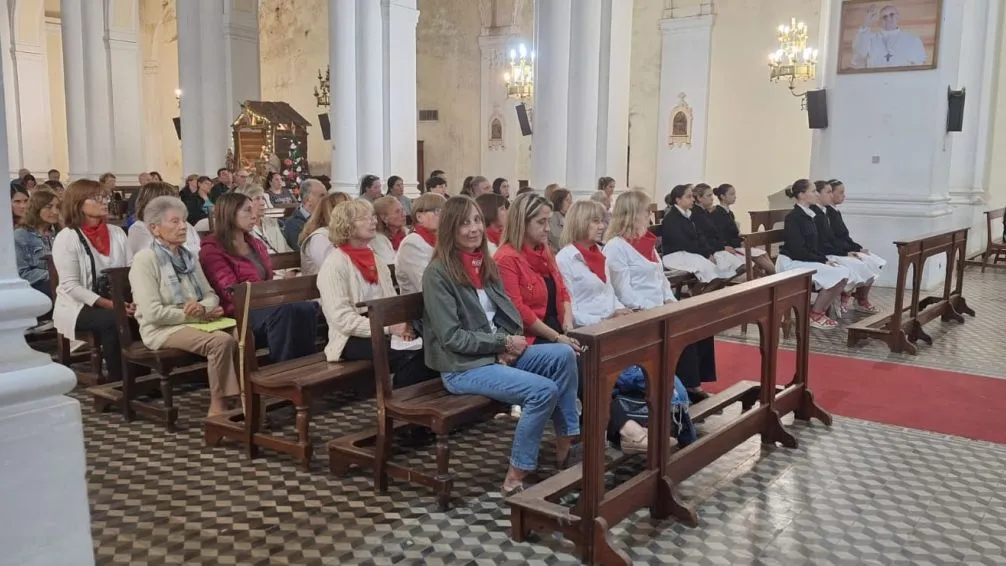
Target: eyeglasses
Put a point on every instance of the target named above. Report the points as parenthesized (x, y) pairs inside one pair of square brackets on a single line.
[(100, 199)]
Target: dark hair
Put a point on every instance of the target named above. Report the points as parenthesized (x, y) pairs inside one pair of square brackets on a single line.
[(203, 178), (455, 212), (15, 189), (491, 203), (221, 170), (676, 193), (798, 188), (105, 177), (51, 171), (466, 186), (436, 173), (700, 189), (722, 190), (603, 182), (820, 185), (527, 189), (268, 180), (36, 202), (497, 184), (834, 182), (557, 197), (324, 180), (366, 181), (225, 211), (391, 182), (156, 175), (28, 177), (149, 192), (434, 182), (55, 185)]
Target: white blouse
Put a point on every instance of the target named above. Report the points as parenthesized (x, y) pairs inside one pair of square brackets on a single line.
[(314, 250), (383, 248), (638, 282), (414, 254), (593, 300)]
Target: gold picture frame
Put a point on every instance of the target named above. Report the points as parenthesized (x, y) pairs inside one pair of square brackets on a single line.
[(872, 40)]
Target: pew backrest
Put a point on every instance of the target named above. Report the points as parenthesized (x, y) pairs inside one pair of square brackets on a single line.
[(122, 293), (383, 313), (990, 217), (761, 240), (767, 219), (285, 260), (263, 294)]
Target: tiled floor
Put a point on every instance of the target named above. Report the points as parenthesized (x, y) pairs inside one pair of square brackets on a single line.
[(858, 493)]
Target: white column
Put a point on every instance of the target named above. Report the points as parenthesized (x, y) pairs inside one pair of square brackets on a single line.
[(190, 83), (71, 14), (370, 88), (127, 94), (613, 111), (97, 90), (399, 80), (12, 135), (34, 118), (153, 147), (45, 509), (213, 82), (342, 112), (684, 70), (551, 96), (584, 69), (241, 56)]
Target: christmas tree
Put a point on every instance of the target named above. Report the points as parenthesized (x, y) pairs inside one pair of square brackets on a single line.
[(294, 166)]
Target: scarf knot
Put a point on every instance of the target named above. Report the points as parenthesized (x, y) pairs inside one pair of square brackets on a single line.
[(396, 238), (472, 262), (174, 266), (646, 245), (540, 259), (364, 260), (99, 237), (594, 259)]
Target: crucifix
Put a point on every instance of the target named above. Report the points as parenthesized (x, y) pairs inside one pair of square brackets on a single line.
[(888, 57)]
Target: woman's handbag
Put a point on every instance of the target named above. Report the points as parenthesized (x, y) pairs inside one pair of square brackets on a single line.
[(100, 283)]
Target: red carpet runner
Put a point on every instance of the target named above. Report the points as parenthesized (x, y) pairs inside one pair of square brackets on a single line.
[(926, 399)]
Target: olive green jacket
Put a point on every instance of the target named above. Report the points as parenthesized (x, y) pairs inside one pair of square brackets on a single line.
[(456, 334)]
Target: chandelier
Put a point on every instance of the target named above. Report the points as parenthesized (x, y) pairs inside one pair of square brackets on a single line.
[(321, 92), (793, 61), (520, 78)]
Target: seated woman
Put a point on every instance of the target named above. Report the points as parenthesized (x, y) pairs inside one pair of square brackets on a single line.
[(702, 218), (727, 230), (861, 276), (314, 242), (685, 248), (530, 275), (275, 190), (417, 248), (639, 282), (390, 228), (81, 251), (18, 203), (34, 237), (473, 337), (199, 203), (494, 209), (171, 291), (370, 187), (352, 274), (561, 200), (232, 255), (140, 236), (501, 187), (846, 244), (266, 229), (396, 188), (802, 248)]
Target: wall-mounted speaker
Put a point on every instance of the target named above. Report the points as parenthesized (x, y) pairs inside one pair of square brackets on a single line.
[(177, 120), (326, 127), (817, 109), (955, 110), (525, 122)]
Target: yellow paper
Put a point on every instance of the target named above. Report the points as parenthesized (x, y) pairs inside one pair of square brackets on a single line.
[(222, 323)]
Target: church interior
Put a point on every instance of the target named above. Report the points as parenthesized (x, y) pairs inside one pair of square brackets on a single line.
[(204, 192)]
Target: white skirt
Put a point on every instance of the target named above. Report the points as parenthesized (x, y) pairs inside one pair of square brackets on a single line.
[(826, 276), (728, 261), (861, 273), (873, 261), (703, 269)]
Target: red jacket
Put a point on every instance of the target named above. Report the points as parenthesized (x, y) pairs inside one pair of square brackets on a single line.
[(527, 289), (224, 270)]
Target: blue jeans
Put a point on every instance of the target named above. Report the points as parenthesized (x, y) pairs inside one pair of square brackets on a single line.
[(289, 329), (543, 381)]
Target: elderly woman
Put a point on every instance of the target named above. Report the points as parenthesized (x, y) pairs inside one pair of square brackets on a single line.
[(314, 242), (390, 228), (232, 255), (416, 250), (140, 236), (266, 229), (171, 291), (82, 251)]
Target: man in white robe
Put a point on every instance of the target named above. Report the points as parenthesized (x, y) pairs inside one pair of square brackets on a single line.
[(891, 46)]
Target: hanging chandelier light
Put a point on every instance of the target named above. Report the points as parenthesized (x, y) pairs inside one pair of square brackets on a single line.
[(793, 61), (520, 78), (323, 90)]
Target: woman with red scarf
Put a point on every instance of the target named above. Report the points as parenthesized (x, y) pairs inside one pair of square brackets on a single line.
[(530, 275), (391, 228), (416, 249), (494, 209), (81, 252)]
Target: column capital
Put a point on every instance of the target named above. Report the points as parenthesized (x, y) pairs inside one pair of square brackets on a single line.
[(687, 8), (687, 23)]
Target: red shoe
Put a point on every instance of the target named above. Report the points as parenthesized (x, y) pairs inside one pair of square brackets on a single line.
[(821, 320)]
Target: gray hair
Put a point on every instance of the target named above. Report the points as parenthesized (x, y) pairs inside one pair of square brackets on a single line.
[(157, 209), (305, 186), (250, 191)]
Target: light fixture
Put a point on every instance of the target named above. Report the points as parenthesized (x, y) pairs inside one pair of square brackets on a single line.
[(321, 92), (793, 61), (178, 97), (520, 78)]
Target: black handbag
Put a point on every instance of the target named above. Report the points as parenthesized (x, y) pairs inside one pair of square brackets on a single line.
[(100, 283)]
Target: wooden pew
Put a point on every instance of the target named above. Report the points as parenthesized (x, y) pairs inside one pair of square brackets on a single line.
[(295, 382), (425, 404), (767, 219), (92, 351), (655, 339), (994, 254), (678, 279), (901, 332), (764, 241)]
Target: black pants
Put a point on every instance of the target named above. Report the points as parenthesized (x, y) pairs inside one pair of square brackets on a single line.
[(408, 368), (290, 330), (697, 364), (43, 286), (101, 322)]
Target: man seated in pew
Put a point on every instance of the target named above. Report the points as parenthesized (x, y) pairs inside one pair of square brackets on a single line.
[(801, 248), (861, 276), (314, 241), (171, 292), (727, 228), (841, 231), (417, 248), (685, 248), (639, 282), (312, 192), (232, 255), (140, 236), (266, 229), (474, 338)]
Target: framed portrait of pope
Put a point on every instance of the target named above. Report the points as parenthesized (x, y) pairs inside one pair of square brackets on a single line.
[(889, 35)]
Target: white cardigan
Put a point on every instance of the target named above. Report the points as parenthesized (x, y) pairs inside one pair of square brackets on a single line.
[(414, 255), (140, 238), (341, 286), (74, 269), (593, 300), (313, 251), (383, 248), (639, 283)]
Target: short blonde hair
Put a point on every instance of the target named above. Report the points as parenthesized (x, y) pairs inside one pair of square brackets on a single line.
[(578, 219), (627, 207), (342, 225), (428, 202), (382, 207)]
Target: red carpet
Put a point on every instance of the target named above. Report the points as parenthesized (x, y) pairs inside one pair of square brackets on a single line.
[(926, 399)]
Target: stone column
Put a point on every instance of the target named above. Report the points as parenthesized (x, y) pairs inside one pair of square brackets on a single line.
[(45, 509), (34, 118), (684, 83), (127, 93), (71, 14), (613, 98), (399, 79), (342, 112), (99, 136), (12, 134), (551, 96), (190, 83), (241, 56), (584, 69), (370, 91)]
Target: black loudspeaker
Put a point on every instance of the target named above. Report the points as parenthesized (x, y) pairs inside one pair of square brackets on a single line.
[(177, 120), (525, 123), (817, 109), (326, 127), (955, 110)]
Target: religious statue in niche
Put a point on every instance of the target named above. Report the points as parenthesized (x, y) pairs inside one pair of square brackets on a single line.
[(496, 131), (680, 124)]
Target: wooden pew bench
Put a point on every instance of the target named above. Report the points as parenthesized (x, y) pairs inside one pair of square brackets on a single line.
[(994, 254), (767, 241), (425, 404), (654, 339), (767, 219), (901, 331), (295, 382)]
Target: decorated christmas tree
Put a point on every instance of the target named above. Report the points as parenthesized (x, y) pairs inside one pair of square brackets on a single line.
[(294, 166)]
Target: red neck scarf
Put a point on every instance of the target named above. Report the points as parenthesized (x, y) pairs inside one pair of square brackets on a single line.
[(472, 262), (364, 260), (396, 238), (99, 237), (646, 245), (494, 234), (430, 237), (594, 259), (539, 259)]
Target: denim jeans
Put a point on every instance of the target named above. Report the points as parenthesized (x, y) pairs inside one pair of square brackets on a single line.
[(543, 381), (289, 329)]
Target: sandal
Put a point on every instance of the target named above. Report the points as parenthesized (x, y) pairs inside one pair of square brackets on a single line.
[(821, 321), (507, 493), (865, 306)]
